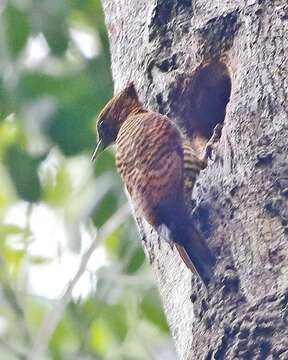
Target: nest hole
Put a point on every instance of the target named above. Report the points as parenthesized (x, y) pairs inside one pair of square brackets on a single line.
[(204, 96)]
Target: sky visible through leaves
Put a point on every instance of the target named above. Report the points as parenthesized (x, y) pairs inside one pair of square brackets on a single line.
[(55, 205)]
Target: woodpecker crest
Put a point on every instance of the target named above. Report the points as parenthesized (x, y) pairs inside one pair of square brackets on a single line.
[(113, 116)]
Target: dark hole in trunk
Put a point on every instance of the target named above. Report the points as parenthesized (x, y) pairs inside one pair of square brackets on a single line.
[(198, 101)]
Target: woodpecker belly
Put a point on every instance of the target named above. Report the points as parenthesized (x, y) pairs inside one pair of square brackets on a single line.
[(149, 158)]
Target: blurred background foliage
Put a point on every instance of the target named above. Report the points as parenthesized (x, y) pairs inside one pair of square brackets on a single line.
[(54, 78)]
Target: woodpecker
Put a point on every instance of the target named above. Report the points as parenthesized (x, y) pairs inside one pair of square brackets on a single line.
[(157, 168)]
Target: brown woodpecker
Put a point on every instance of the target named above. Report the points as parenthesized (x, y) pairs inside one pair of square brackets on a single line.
[(152, 158)]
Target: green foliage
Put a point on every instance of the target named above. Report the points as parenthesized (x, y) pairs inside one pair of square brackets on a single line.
[(105, 208), (17, 29), (150, 309), (53, 199), (23, 171), (56, 192), (136, 260), (69, 129)]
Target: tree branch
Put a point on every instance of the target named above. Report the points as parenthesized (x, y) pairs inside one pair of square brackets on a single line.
[(52, 317)]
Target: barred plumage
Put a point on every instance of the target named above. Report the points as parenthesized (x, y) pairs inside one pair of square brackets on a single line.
[(149, 158), (192, 165), (159, 170)]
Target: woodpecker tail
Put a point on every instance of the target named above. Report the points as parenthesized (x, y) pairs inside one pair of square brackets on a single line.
[(177, 228), (193, 249)]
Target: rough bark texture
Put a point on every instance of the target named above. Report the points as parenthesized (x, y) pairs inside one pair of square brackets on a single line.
[(184, 56)]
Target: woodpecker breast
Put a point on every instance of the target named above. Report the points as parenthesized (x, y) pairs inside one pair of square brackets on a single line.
[(149, 158)]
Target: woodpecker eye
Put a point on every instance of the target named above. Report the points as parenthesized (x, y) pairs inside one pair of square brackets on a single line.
[(106, 133), (102, 128)]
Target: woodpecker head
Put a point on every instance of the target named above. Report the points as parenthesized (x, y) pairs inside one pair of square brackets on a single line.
[(113, 116)]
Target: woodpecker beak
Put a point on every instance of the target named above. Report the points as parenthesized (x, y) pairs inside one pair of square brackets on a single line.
[(98, 150)]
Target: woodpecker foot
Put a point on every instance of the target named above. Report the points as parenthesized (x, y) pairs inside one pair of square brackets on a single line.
[(212, 141)]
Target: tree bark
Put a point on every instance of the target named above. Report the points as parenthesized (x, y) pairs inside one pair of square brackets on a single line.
[(188, 59)]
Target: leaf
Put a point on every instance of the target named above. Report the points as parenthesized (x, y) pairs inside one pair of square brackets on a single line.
[(136, 260), (56, 36), (7, 191), (57, 192), (64, 338), (151, 309), (105, 209), (88, 89), (104, 163), (84, 312), (5, 108), (111, 243), (100, 336), (109, 326), (10, 132), (69, 128), (34, 312), (17, 28), (9, 229), (13, 256), (50, 18), (113, 315), (116, 316), (39, 260), (10, 297), (91, 11), (23, 171), (36, 84), (128, 239)]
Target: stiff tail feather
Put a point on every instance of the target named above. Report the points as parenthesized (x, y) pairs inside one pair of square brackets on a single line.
[(177, 228), (195, 252)]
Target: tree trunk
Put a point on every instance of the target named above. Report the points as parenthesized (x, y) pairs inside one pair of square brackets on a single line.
[(189, 59)]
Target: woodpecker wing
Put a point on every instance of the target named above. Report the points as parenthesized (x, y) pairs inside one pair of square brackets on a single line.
[(150, 160)]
